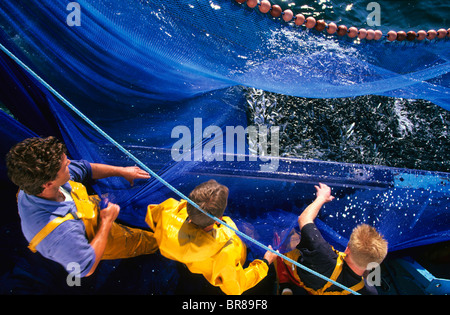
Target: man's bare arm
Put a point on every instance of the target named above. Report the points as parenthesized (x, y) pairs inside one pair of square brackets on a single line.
[(130, 173)]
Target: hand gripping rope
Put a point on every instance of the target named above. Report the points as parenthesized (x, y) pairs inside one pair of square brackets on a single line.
[(143, 166)]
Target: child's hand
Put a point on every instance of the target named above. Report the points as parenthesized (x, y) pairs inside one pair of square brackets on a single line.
[(270, 256), (324, 193)]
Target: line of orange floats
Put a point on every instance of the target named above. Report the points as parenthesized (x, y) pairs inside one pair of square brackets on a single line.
[(299, 19)]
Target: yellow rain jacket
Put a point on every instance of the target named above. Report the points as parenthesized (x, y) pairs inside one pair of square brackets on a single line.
[(218, 255)]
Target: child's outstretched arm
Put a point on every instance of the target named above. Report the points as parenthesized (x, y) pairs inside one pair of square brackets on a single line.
[(323, 196)]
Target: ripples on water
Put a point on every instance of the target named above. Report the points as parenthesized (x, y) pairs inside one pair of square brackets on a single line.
[(398, 15), (374, 130), (369, 129)]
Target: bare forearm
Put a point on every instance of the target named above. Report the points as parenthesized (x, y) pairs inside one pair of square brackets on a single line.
[(130, 173), (100, 171), (323, 196), (310, 213)]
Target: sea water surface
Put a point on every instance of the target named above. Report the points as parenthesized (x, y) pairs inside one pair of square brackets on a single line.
[(368, 129), (396, 14)]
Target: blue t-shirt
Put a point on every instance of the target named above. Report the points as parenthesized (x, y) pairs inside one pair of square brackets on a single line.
[(67, 243)]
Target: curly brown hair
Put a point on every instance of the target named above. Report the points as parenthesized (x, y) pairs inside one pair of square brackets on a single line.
[(34, 162), (211, 197)]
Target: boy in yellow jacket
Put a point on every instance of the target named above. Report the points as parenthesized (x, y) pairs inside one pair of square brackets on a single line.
[(187, 235)]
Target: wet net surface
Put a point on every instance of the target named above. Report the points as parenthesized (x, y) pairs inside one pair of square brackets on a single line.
[(370, 129)]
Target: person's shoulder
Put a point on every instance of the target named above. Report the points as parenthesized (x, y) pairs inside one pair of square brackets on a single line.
[(311, 231), (173, 204), (368, 289), (312, 240), (80, 170), (172, 208), (311, 226)]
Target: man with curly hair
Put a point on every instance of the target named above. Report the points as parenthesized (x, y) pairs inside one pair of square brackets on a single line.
[(58, 217)]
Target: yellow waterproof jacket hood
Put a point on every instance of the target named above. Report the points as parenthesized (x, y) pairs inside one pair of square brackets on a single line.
[(192, 244), (218, 254)]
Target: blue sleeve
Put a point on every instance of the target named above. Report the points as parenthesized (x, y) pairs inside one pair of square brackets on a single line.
[(67, 244), (80, 171)]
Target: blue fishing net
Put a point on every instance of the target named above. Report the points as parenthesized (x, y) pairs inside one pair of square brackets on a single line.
[(142, 69)]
